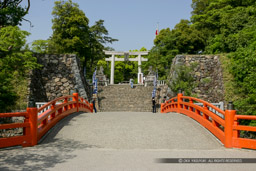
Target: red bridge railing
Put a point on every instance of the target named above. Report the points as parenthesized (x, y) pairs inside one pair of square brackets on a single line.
[(35, 126), (225, 128)]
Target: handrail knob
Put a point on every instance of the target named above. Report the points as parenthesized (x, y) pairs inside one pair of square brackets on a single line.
[(230, 106)]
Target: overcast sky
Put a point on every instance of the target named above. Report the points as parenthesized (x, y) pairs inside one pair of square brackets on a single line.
[(132, 22)]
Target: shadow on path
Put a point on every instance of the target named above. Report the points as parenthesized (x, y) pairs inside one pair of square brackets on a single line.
[(47, 154)]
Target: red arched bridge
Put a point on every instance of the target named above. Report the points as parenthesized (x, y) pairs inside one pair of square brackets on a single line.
[(121, 141), (225, 127), (36, 126)]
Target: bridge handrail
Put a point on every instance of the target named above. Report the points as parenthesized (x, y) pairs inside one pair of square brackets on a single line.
[(169, 101), (53, 101), (15, 114), (244, 127), (205, 104), (35, 126), (226, 129)]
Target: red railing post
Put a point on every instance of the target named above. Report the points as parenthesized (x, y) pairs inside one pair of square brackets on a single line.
[(190, 107), (236, 133), (33, 117), (162, 107), (66, 106), (75, 98), (229, 122), (53, 114), (179, 100), (172, 105), (91, 107), (204, 115)]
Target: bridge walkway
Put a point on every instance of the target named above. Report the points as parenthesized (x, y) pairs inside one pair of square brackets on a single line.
[(123, 141)]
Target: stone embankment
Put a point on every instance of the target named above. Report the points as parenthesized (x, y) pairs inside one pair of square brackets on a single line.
[(207, 75), (59, 75)]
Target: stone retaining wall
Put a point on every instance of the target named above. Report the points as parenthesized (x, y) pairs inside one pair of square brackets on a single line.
[(207, 74), (59, 75)]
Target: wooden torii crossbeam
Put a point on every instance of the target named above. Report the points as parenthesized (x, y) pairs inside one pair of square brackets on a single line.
[(112, 59)]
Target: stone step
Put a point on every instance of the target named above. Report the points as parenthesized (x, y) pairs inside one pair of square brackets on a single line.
[(125, 110), (124, 98)]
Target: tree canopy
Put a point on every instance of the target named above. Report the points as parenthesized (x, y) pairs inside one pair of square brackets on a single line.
[(72, 34), (12, 13), (15, 60), (229, 27), (70, 28), (217, 26)]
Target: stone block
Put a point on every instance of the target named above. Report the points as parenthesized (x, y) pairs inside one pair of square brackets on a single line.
[(66, 84), (64, 80), (59, 83), (57, 79), (55, 61)]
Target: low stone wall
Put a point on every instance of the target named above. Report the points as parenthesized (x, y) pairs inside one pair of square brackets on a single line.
[(207, 74), (59, 75)]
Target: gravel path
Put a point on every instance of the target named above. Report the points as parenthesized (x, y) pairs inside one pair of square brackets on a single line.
[(123, 141)]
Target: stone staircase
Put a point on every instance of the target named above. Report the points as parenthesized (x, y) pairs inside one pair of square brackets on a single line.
[(123, 98)]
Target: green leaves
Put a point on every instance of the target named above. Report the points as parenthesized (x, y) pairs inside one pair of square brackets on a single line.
[(13, 54), (216, 26), (40, 46), (183, 39), (15, 61), (12, 12), (70, 28), (183, 79), (72, 34)]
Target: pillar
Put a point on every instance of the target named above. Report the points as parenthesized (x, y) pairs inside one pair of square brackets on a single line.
[(112, 69), (229, 122), (33, 117), (139, 69)]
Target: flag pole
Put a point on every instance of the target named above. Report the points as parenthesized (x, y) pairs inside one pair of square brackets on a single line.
[(157, 29)]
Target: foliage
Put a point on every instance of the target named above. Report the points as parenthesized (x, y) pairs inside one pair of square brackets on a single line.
[(12, 12), (70, 28), (244, 71), (15, 60), (217, 26), (183, 79), (183, 39), (40, 46), (124, 71), (228, 80), (72, 34), (98, 37), (229, 26)]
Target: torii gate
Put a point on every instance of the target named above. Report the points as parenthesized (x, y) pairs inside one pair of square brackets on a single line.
[(126, 58)]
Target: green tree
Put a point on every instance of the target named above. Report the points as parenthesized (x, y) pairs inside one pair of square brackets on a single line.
[(216, 26), (12, 13), (70, 28), (183, 39), (72, 34), (40, 46), (15, 60), (229, 27), (183, 79), (188, 39), (98, 37)]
